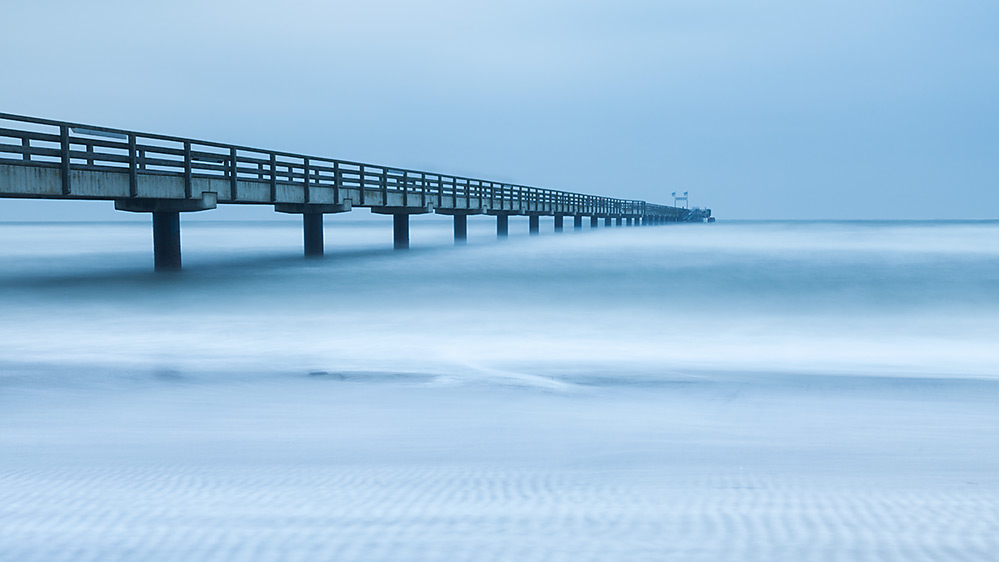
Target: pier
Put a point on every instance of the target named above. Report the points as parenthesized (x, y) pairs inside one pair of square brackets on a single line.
[(166, 176)]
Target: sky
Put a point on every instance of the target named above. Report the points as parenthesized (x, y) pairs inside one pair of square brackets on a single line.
[(779, 109)]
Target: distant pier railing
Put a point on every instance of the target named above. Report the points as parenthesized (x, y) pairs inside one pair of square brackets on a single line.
[(166, 175)]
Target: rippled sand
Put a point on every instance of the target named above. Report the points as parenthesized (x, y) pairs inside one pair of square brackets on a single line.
[(368, 466)]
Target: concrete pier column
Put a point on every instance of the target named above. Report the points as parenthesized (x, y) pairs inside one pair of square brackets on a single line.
[(645, 221), (619, 221), (607, 221), (577, 222), (502, 226), (628, 219), (594, 222), (166, 240), (534, 225), (400, 231), (400, 221), (558, 222), (460, 229), (312, 222), (166, 223), (460, 217), (312, 227)]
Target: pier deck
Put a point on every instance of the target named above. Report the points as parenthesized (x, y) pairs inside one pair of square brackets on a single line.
[(165, 176)]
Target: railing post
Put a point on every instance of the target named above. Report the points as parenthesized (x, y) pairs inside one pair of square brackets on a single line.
[(405, 189), (360, 180), (273, 160), (64, 149), (232, 173), (383, 183), (133, 174), (308, 177), (26, 149), (336, 182), (423, 192), (187, 170)]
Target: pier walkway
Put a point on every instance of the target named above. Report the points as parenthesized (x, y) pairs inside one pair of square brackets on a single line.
[(166, 176)]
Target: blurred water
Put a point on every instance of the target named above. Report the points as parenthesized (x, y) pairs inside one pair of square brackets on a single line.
[(899, 298), (737, 391)]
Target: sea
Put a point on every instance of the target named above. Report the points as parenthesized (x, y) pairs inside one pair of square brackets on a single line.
[(742, 390)]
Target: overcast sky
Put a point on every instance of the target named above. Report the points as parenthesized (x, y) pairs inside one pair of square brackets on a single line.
[(777, 109)]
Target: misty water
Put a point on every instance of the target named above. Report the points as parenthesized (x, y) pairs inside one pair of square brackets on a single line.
[(735, 391)]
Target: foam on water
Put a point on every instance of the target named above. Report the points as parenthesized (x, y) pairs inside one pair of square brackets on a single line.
[(832, 297), (754, 391)]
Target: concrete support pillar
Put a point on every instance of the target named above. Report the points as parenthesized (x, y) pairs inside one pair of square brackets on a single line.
[(607, 221), (577, 222), (460, 229), (534, 225), (312, 226), (166, 240), (628, 219), (312, 222), (400, 231), (166, 223), (502, 226), (619, 221), (645, 221), (594, 222), (558, 223)]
